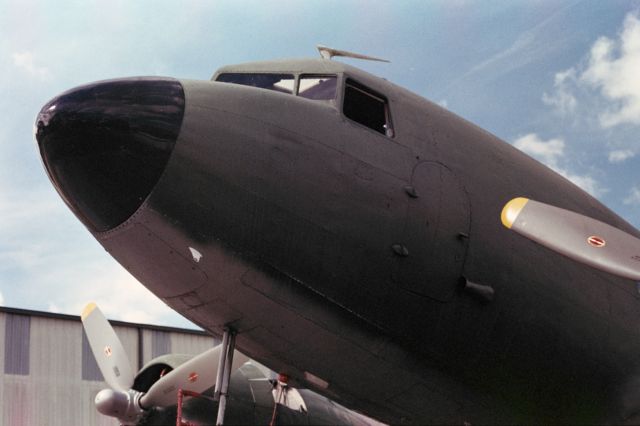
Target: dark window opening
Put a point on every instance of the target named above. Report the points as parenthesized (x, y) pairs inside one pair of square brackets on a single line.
[(318, 87), (284, 83), (366, 107)]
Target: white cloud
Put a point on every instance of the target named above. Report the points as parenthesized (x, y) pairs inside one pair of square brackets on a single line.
[(27, 63), (69, 281), (48, 249), (587, 183), (604, 88), (1, 299), (634, 197), (550, 153), (547, 152), (119, 295), (614, 69), (606, 81), (618, 156), (562, 100)]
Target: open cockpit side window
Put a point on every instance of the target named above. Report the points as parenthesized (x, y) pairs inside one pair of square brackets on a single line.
[(367, 107), (284, 83)]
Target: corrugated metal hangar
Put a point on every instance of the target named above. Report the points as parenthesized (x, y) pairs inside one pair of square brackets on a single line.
[(49, 375)]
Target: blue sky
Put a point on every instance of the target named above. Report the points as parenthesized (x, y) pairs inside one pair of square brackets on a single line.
[(559, 80)]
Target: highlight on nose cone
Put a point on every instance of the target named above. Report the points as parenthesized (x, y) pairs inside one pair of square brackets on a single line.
[(106, 144)]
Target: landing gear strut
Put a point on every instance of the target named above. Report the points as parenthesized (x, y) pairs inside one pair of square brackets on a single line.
[(224, 372)]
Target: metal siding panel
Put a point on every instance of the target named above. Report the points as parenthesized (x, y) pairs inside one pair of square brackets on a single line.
[(86, 413), (90, 369), (129, 338), (17, 409), (3, 323), (16, 344), (54, 402), (3, 317), (55, 371), (160, 343), (53, 393), (191, 344), (55, 349), (146, 342)]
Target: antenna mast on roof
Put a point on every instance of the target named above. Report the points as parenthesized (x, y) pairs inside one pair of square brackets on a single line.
[(328, 53)]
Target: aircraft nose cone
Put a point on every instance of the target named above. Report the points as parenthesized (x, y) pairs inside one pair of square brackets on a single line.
[(106, 144)]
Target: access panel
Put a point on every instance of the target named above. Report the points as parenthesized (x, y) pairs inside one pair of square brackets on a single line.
[(435, 235)]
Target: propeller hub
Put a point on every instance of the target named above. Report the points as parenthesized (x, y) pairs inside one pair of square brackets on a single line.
[(122, 405)]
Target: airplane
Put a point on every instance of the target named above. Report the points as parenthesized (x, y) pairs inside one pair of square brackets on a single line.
[(149, 397), (365, 242)]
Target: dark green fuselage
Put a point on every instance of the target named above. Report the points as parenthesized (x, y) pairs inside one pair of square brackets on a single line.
[(340, 256)]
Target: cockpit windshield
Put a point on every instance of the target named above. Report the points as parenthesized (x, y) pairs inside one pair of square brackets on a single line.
[(318, 87), (284, 83), (315, 87), (359, 103)]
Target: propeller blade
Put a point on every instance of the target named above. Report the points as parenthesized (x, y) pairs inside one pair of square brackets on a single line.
[(107, 349), (197, 375), (576, 236)]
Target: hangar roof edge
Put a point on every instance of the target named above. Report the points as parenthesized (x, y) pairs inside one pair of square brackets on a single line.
[(67, 317)]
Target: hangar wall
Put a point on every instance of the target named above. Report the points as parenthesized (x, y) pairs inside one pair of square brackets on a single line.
[(48, 375)]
